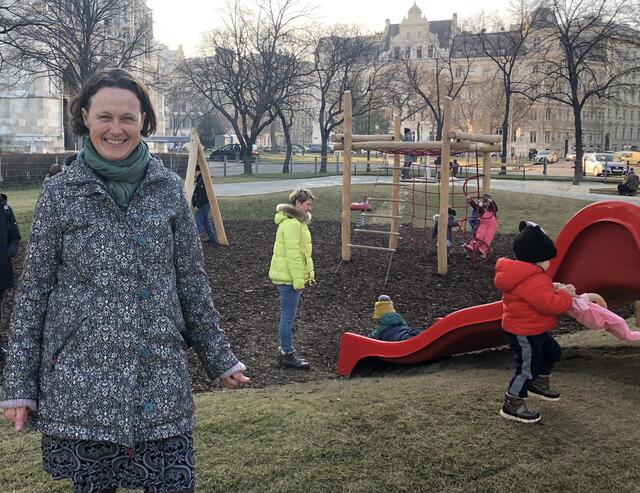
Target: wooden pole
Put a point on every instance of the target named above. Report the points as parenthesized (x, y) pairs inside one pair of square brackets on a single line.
[(395, 191), (211, 195), (444, 189), (346, 177), (486, 160), (191, 165)]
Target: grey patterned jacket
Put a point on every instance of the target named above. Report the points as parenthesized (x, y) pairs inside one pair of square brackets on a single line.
[(107, 302)]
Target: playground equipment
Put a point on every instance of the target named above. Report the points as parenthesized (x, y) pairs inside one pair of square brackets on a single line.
[(462, 142), (598, 251), (196, 156)]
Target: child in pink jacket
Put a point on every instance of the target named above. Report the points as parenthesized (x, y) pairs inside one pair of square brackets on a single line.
[(590, 309)]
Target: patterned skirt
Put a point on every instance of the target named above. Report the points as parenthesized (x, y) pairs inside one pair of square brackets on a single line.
[(158, 466)]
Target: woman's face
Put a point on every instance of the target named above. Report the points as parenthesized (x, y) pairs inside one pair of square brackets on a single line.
[(305, 206), (114, 120)]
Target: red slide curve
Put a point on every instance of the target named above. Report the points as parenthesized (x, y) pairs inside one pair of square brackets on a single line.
[(598, 251)]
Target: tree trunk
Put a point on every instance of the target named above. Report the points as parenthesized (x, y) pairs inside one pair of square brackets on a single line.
[(323, 151), (505, 133), (247, 165), (272, 137), (577, 169), (286, 128)]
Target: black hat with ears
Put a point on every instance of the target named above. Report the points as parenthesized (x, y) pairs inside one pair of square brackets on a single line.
[(532, 244), (407, 130)]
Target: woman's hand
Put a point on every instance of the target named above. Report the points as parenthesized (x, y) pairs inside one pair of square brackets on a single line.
[(235, 380), (17, 415), (299, 290)]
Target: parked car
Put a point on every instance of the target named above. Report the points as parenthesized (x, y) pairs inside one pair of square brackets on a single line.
[(571, 156), (233, 152), (598, 163), (546, 155), (627, 157), (267, 149)]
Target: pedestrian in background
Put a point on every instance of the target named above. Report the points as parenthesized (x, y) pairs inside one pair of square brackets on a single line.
[(9, 242), (200, 202)]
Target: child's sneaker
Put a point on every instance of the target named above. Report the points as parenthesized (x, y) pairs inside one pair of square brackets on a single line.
[(292, 360), (515, 408), (540, 388)]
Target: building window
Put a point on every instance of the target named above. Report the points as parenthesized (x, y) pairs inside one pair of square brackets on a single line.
[(419, 52), (459, 72), (396, 54), (624, 132), (547, 114), (430, 52), (407, 53), (547, 137), (533, 138), (615, 133), (408, 35)]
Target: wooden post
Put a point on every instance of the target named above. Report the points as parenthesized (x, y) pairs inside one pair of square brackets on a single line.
[(211, 195), (346, 177), (486, 159), (196, 156), (395, 190), (444, 188), (191, 165)]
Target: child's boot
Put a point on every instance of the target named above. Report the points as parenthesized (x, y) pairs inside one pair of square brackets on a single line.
[(539, 387), (292, 360), (515, 408)]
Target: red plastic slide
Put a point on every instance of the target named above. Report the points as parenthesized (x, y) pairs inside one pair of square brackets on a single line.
[(598, 251)]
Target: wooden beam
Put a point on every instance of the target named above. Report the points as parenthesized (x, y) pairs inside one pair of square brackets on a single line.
[(420, 146), (339, 138), (444, 189), (395, 191), (486, 159), (211, 193), (489, 139), (346, 176), (375, 232), (367, 247)]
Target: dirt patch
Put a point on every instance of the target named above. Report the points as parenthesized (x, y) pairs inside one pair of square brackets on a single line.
[(342, 299)]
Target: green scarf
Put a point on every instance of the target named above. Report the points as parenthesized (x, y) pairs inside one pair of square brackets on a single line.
[(121, 177)]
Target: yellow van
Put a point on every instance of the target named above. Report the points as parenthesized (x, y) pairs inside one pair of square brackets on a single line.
[(627, 157)]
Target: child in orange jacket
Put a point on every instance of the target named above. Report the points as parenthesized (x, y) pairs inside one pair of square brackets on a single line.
[(531, 305)]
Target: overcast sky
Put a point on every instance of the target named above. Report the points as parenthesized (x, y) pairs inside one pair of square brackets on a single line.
[(181, 22)]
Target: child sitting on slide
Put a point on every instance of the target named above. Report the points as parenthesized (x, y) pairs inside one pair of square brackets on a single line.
[(590, 310), (390, 325)]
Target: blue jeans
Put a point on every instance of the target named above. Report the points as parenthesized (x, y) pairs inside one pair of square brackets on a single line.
[(203, 220), (289, 299)]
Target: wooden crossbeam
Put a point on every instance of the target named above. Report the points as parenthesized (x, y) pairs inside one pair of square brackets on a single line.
[(382, 199), (489, 139), (361, 138), (366, 247), (388, 216), (377, 232)]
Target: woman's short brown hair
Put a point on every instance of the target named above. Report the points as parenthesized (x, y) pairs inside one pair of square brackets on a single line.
[(300, 195), (112, 78)]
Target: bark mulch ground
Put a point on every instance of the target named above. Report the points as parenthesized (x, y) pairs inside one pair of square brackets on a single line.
[(341, 300)]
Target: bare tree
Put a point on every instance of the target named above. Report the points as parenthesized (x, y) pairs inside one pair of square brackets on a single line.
[(431, 80), (344, 59), (248, 67), (506, 47), (70, 40), (592, 55)]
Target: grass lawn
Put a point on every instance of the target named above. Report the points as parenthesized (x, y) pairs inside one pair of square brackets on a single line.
[(435, 428)]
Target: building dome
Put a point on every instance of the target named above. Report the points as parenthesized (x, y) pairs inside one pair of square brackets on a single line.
[(415, 14)]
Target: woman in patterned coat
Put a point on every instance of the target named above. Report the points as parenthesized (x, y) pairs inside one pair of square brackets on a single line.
[(113, 292)]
